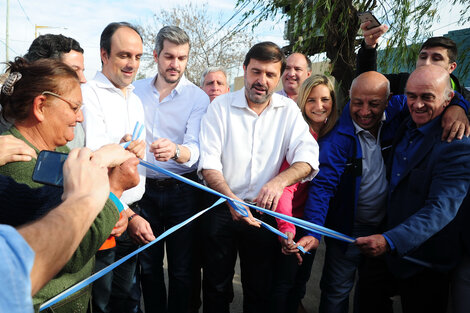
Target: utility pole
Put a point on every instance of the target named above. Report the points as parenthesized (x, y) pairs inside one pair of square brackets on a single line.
[(7, 37)]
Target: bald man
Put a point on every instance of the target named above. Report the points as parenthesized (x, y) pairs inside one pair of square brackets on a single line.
[(352, 178), (298, 68), (351, 185), (429, 180)]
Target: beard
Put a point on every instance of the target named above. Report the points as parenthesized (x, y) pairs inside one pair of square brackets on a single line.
[(171, 79), (254, 97)]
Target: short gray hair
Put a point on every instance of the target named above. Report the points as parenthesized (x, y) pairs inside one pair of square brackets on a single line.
[(173, 34), (212, 69), (448, 91)]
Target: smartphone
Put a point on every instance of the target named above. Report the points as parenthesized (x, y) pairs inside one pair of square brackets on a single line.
[(368, 16), (48, 169)]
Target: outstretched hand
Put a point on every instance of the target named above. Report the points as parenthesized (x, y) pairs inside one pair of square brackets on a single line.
[(373, 245), (454, 123), (14, 150), (140, 230), (250, 220), (371, 36), (84, 177)]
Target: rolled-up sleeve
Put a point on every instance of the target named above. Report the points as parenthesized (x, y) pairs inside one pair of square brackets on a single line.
[(193, 126), (211, 140)]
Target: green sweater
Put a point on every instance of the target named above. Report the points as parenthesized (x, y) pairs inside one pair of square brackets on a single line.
[(81, 265)]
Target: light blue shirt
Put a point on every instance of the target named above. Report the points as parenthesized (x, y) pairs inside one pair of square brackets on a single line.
[(177, 118), (282, 92), (372, 196), (17, 260)]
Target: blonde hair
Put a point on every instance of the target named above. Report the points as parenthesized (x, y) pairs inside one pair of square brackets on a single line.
[(310, 83)]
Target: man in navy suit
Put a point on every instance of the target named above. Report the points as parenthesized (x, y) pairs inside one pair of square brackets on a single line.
[(429, 179)]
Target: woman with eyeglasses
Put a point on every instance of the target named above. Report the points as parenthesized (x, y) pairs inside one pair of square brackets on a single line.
[(317, 102), (42, 99)]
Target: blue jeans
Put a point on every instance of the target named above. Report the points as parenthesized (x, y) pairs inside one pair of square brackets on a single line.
[(111, 292), (339, 271), (164, 207)]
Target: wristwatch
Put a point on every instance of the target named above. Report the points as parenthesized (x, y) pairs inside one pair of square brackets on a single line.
[(177, 153), (131, 217)]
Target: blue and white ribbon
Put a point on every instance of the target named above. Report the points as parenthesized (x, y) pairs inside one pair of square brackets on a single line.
[(236, 204)]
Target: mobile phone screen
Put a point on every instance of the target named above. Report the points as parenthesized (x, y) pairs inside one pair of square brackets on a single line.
[(368, 16), (48, 169)]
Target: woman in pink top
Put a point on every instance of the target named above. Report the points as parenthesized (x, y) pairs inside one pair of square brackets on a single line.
[(317, 102)]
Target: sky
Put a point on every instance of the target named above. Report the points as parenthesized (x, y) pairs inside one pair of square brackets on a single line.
[(85, 19)]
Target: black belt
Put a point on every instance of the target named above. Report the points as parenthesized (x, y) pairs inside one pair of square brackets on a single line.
[(170, 182)]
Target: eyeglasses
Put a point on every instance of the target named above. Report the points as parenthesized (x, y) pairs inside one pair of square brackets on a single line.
[(74, 106)]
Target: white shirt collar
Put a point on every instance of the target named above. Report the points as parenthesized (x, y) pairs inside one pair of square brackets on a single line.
[(179, 87), (244, 104), (103, 82)]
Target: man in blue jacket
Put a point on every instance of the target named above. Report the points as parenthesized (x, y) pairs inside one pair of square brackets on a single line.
[(429, 179), (351, 184)]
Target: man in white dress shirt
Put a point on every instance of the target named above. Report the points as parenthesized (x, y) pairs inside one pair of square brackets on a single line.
[(245, 136), (173, 109), (111, 110)]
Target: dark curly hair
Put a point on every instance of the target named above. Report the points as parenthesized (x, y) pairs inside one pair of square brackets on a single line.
[(51, 46)]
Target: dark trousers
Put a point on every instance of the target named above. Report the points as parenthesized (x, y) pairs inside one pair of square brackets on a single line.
[(164, 207), (424, 292), (111, 292), (460, 286), (290, 280), (223, 238), (375, 287), (206, 200), (339, 271)]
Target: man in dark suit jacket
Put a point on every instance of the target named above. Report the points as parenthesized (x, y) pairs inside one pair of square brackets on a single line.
[(428, 179)]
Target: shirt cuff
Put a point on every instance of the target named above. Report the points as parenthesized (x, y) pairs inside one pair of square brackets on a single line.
[(390, 242), (116, 202), (193, 154), (209, 163)]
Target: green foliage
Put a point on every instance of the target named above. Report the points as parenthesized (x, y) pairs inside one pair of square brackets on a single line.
[(332, 26)]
